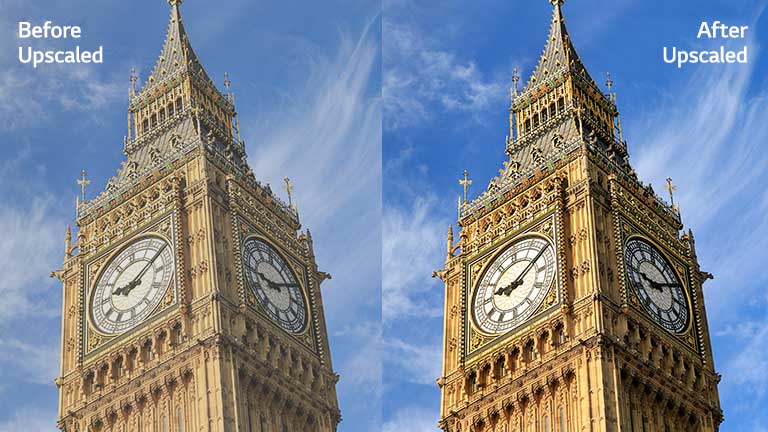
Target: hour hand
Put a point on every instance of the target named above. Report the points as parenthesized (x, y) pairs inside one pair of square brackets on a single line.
[(507, 290), (275, 286), (655, 285), (126, 289)]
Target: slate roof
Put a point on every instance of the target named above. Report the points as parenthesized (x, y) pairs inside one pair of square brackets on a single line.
[(559, 54)]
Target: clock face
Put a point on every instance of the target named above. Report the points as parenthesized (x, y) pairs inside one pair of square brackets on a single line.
[(656, 284), (274, 284), (514, 285), (132, 285)]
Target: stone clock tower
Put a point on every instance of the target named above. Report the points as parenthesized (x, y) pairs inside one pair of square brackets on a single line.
[(191, 297), (573, 300)]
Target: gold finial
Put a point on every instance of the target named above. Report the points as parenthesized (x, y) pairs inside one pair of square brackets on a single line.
[(465, 182), (175, 2), (288, 188), (83, 183), (557, 2), (450, 241), (515, 80), (671, 188)]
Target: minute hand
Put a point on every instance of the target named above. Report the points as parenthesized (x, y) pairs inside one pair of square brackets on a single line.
[(517, 282), (135, 282)]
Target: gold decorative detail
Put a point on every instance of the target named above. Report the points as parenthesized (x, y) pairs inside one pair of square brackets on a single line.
[(477, 340)]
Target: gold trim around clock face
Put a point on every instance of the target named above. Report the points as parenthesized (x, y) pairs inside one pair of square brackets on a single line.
[(131, 281), (657, 285), (271, 279), (520, 273)]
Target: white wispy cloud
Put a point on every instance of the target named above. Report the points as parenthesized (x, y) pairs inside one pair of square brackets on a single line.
[(31, 96), (419, 74), (412, 419), (363, 370), (418, 362), (27, 419), (31, 239), (411, 252)]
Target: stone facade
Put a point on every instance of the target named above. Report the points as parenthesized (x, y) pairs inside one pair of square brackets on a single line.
[(590, 357)]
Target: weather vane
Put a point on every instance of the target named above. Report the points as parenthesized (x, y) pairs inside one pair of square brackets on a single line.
[(465, 182), (83, 182), (288, 188)]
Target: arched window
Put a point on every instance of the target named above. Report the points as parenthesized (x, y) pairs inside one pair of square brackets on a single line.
[(501, 367), (179, 104), (165, 423), (138, 423), (546, 423), (180, 420)]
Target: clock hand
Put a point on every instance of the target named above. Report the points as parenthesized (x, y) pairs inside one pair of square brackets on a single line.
[(509, 288), (519, 281), (655, 285), (137, 280), (274, 285)]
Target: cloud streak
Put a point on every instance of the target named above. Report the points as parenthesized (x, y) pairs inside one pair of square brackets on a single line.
[(420, 75)]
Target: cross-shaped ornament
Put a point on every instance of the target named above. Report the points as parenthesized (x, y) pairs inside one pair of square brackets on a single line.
[(466, 182), (671, 188), (83, 183), (288, 188)]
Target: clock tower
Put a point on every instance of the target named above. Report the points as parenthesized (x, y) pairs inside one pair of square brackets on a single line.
[(574, 299), (191, 297)]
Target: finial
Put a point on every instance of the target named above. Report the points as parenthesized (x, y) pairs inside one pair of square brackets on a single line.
[(515, 80), (133, 78), (450, 241), (288, 188), (557, 2), (671, 188), (609, 84), (83, 183), (227, 85), (68, 243), (465, 182), (459, 207), (175, 2)]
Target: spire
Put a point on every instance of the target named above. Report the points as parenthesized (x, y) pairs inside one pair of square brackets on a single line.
[(177, 55), (559, 54)]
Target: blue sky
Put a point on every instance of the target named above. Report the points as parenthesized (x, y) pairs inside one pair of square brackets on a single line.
[(445, 98), (307, 78)]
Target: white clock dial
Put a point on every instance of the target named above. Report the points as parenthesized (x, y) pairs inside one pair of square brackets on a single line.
[(275, 286), (514, 285), (656, 284), (132, 285)]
